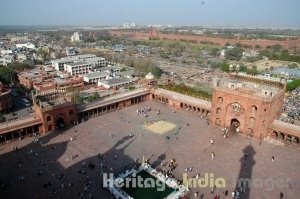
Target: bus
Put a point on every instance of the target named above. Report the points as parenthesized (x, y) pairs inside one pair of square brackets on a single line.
[(25, 102)]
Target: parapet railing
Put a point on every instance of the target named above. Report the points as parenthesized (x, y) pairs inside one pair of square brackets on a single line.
[(286, 125), (113, 98), (241, 92), (20, 118), (8, 125), (272, 79), (51, 107)]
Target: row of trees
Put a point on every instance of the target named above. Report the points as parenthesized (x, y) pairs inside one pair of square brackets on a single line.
[(7, 75), (225, 67), (293, 85), (182, 88)]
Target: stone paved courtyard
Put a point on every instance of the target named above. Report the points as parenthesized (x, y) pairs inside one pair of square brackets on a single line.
[(58, 159)]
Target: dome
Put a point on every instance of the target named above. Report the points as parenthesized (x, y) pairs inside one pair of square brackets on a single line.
[(149, 76)]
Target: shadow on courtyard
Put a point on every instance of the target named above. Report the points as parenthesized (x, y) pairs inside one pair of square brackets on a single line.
[(35, 171), (244, 179)]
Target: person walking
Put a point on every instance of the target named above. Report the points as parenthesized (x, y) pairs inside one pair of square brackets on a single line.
[(212, 155)]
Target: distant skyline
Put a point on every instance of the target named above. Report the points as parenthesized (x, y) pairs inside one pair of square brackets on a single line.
[(144, 12)]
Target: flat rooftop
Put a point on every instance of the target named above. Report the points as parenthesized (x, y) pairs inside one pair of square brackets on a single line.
[(189, 145), (96, 74), (116, 81), (246, 86)]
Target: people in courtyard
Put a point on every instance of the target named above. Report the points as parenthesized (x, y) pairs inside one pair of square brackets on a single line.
[(212, 155)]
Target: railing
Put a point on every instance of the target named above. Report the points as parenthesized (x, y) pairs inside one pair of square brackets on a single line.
[(240, 92), (114, 98), (9, 125), (64, 104), (20, 118), (286, 125), (186, 99)]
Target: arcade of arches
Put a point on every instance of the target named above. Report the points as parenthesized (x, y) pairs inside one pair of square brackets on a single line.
[(286, 138), (188, 107), (69, 114)]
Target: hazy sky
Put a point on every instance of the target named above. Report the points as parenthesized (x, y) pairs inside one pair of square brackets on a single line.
[(174, 12)]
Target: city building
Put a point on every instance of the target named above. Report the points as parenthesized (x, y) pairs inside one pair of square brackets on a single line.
[(5, 99), (6, 52), (45, 78), (95, 77), (75, 37), (26, 45), (21, 57), (7, 59), (71, 51), (59, 64), (115, 83), (79, 68)]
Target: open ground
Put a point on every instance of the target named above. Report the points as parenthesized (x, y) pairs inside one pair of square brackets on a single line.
[(26, 173)]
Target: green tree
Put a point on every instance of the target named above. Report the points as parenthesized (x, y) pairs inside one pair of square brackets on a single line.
[(224, 66), (293, 85), (276, 47), (214, 51), (7, 75), (234, 54)]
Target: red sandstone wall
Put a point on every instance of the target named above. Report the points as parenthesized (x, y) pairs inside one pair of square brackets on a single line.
[(69, 118), (265, 114), (287, 44)]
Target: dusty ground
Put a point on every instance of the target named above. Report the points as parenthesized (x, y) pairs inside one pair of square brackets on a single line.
[(109, 135), (266, 64), (161, 127)]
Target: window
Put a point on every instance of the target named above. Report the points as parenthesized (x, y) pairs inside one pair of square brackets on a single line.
[(71, 112), (251, 122), (220, 100), (254, 109), (49, 118), (218, 122), (218, 111)]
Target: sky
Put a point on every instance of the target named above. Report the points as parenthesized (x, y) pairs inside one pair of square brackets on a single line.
[(144, 12)]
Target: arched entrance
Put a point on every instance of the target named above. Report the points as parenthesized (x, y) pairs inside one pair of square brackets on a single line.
[(60, 123), (234, 125), (234, 122)]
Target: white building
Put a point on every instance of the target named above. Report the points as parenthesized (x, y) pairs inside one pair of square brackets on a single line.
[(5, 60), (26, 45), (78, 68), (59, 64), (6, 52), (115, 83), (110, 69), (75, 37), (95, 77), (97, 62), (21, 57)]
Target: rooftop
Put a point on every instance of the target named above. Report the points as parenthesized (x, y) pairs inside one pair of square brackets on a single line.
[(248, 85), (116, 81), (96, 74)]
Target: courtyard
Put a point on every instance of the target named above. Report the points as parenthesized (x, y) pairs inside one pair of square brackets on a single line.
[(67, 164)]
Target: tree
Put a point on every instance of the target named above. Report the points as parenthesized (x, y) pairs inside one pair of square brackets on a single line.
[(224, 66), (214, 51), (7, 75), (234, 54), (276, 47), (293, 85)]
